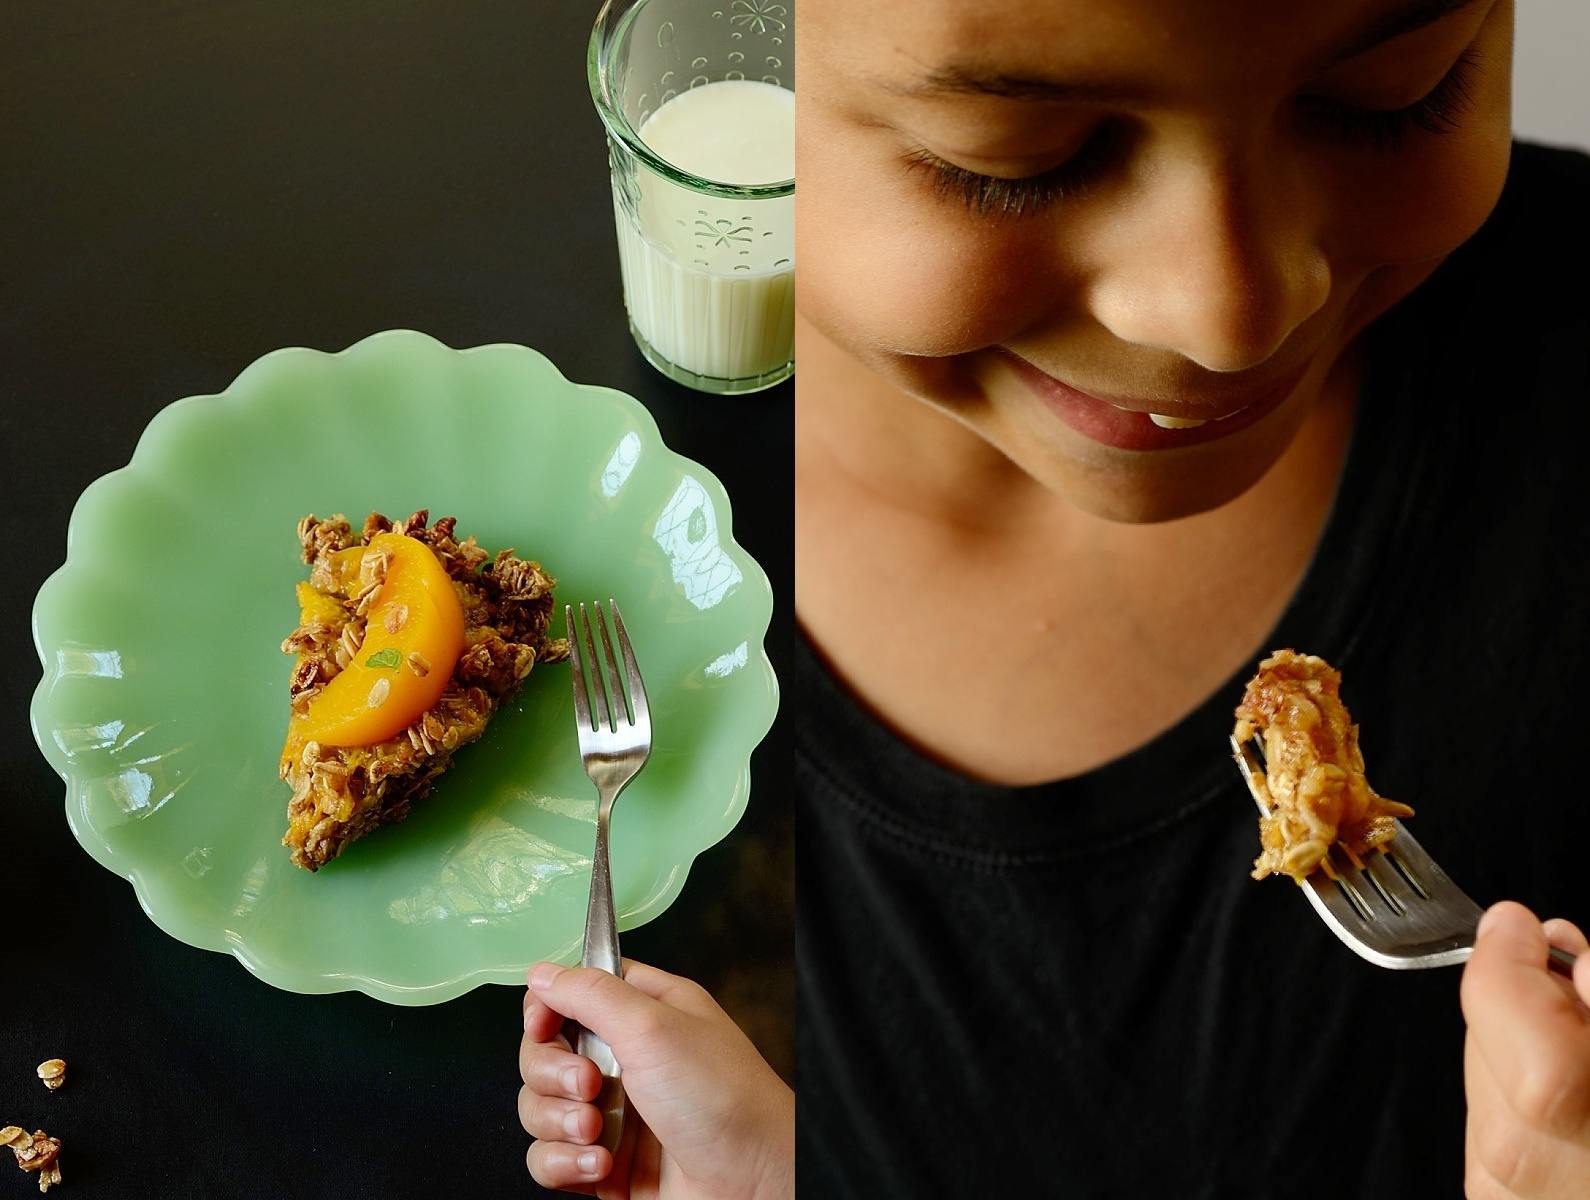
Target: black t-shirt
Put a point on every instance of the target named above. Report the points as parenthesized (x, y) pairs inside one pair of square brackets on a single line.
[(1075, 989)]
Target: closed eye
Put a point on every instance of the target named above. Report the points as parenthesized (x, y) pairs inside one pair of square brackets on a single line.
[(1440, 110), (998, 196)]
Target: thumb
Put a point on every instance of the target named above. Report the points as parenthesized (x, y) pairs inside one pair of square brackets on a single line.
[(1525, 1024), (621, 1015), (1508, 932)]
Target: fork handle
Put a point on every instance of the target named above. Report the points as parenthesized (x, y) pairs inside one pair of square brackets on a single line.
[(610, 1100), (601, 952), (601, 925), (1560, 961)]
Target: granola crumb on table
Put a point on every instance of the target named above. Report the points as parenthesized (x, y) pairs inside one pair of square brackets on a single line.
[(36, 1151), (342, 793)]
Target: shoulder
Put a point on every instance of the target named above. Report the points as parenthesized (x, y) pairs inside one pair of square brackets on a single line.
[(1546, 200), (1500, 332), (1562, 165), (1518, 278)]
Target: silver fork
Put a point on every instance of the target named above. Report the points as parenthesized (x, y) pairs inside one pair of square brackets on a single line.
[(1393, 906), (615, 741)]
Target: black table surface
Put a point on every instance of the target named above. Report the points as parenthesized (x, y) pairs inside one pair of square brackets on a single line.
[(184, 186)]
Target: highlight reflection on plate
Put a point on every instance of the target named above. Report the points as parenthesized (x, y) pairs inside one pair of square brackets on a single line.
[(163, 699)]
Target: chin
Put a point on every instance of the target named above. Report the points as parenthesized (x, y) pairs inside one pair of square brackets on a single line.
[(1153, 497)]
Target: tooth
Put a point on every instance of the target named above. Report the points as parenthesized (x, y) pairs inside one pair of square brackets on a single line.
[(1165, 422)]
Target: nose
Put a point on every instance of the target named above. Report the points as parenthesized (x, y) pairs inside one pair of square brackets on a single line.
[(1217, 267)]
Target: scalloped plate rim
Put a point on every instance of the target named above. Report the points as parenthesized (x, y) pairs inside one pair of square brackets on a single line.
[(310, 982)]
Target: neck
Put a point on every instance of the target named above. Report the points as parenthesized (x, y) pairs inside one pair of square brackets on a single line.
[(912, 533)]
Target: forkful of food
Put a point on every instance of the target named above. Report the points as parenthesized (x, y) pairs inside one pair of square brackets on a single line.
[(1344, 844)]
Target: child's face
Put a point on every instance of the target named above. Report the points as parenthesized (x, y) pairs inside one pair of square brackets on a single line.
[(1204, 228)]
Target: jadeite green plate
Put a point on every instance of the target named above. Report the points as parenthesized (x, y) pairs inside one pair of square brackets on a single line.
[(163, 703)]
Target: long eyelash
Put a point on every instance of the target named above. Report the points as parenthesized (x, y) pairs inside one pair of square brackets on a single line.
[(989, 196), (1440, 111)]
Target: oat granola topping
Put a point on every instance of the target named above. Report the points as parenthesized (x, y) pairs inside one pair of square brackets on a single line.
[(1313, 784), (367, 596), (341, 793), (319, 538), (37, 1151)]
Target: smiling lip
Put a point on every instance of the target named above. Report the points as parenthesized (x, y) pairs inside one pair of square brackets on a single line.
[(1125, 424)]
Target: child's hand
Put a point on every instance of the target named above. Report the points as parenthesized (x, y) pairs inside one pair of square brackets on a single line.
[(717, 1121), (1526, 1061)]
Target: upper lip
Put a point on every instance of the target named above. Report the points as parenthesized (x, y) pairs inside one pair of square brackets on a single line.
[(1215, 406)]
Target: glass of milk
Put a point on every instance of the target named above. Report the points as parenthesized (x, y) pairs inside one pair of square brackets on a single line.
[(699, 103)]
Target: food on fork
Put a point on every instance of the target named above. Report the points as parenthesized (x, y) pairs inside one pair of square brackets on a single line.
[(1313, 782), (408, 643)]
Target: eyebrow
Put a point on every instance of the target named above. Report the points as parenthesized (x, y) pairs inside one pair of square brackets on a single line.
[(956, 79)]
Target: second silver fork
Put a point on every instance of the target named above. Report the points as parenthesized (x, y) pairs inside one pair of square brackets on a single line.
[(1395, 907), (614, 725)]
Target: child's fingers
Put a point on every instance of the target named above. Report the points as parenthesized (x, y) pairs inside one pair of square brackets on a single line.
[(557, 1119), (1533, 1036), (622, 1015), (554, 1071), (673, 990), (568, 1168), (541, 1024), (1565, 935)]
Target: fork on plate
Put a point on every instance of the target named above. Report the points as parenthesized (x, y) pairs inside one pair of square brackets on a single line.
[(614, 725), (1394, 905)]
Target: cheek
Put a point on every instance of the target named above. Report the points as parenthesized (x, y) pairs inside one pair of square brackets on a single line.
[(1418, 206), (887, 268), (1426, 207)]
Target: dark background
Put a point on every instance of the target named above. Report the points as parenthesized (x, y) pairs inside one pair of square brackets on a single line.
[(183, 187)]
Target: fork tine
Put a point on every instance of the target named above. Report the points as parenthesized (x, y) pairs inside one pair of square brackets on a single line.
[(598, 693), (634, 685), (1393, 890), (1396, 858), (1349, 908), (1358, 881), (1426, 875), (582, 707), (1353, 885), (616, 692), (1252, 768)]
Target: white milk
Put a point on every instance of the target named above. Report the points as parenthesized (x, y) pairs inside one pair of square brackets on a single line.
[(710, 282)]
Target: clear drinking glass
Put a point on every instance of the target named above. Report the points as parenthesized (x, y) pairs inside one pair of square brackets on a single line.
[(708, 267)]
